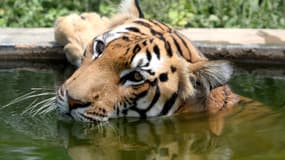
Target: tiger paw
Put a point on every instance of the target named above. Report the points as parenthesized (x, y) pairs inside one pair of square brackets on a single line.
[(75, 31), (221, 98)]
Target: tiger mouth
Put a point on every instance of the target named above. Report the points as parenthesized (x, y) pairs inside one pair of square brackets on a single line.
[(94, 118)]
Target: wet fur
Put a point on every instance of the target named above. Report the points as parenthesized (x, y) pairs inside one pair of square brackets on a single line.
[(200, 84)]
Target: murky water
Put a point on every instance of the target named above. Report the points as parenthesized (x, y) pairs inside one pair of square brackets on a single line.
[(254, 133)]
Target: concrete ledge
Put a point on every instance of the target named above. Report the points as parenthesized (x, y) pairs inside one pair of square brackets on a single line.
[(245, 45), (29, 44)]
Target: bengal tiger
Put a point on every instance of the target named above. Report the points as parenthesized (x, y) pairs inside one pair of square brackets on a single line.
[(130, 66)]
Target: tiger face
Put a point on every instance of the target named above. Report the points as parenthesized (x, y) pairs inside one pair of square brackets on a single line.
[(139, 68)]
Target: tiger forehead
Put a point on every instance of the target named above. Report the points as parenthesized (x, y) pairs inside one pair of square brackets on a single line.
[(147, 37)]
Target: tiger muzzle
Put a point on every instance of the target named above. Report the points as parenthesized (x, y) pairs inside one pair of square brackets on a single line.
[(74, 103)]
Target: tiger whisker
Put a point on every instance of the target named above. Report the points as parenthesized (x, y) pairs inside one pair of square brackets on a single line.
[(40, 89), (33, 107), (26, 97), (48, 109), (46, 105), (18, 99), (45, 109), (41, 102), (28, 108)]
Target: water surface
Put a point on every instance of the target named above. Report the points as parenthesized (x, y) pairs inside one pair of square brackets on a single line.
[(258, 134)]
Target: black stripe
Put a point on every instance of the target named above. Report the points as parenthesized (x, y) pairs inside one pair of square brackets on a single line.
[(125, 38), (168, 104), (155, 99), (118, 111), (84, 53), (155, 33), (161, 25), (127, 51), (157, 24), (134, 107), (136, 49), (144, 43), (143, 23), (156, 51), (139, 9), (167, 47), (125, 104), (149, 71), (140, 95), (132, 58), (146, 65), (166, 26), (133, 29), (149, 26), (184, 43), (173, 69), (152, 83), (148, 55), (142, 112), (177, 46), (125, 112)]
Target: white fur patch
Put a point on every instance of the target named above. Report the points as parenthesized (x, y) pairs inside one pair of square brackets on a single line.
[(76, 113), (113, 34), (140, 60), (156, 109), (143, 103)]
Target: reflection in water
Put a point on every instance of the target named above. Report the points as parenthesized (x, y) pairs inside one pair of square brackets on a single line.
[(164, 138), (179, 137)]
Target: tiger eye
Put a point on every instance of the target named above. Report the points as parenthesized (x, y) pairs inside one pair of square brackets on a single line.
[(100, 47), (138, 76)]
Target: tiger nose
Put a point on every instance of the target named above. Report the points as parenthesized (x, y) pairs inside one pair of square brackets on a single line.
[(74, 103)]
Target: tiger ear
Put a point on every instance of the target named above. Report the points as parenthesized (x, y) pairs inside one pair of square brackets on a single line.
[(131, 8), (207, 75)]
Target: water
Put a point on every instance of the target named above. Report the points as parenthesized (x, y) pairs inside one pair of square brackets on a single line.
[(257, 132)]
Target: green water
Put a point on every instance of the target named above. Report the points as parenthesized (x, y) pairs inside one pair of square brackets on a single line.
[(260, 135)]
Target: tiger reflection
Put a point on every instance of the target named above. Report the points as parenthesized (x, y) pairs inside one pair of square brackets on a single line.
[(177, 137), (145, 139)]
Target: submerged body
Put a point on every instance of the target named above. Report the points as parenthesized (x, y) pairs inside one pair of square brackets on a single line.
[(138, 68)]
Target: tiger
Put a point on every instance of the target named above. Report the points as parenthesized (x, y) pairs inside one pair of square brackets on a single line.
[(130, 66)]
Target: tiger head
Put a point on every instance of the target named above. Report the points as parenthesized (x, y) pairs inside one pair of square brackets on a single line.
[(139, 68)]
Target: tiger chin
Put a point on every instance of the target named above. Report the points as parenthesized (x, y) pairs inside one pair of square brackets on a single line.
[(129, 66)]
